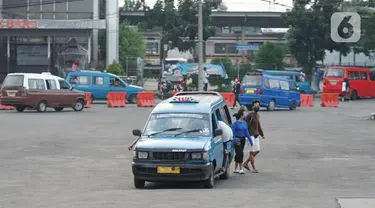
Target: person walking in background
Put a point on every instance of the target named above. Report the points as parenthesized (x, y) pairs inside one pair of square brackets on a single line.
[(240, 132), (205, 79), (345, 88), (236, 91), (75, 66), (184, 84), (253, 123), (189, 82)]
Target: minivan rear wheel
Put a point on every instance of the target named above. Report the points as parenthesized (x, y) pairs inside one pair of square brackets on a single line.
[(42, 106)]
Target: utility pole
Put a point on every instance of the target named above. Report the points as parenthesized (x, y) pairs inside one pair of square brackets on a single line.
[(200, 46)]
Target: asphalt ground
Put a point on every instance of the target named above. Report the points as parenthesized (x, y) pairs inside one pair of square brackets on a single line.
[(80, 159)]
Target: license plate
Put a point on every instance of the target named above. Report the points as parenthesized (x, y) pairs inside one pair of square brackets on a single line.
[(11, 94), (250, 91), (173, 170), (333, 82)]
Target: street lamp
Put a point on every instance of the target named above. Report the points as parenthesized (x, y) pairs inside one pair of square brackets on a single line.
[(200, 46)]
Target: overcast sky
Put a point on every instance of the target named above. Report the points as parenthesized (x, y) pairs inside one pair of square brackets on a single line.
[(245, 5)]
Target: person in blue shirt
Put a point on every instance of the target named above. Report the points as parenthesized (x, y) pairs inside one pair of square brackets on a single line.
[(240, 132)]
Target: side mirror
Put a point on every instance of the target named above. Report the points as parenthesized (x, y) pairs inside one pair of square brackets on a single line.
[(137, 132), (71, 88), (297, 88), (218, 132)]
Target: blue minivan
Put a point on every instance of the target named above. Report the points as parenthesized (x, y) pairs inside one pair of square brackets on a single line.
[(271, 91), (302, 83), (99, 84), (183, 141)]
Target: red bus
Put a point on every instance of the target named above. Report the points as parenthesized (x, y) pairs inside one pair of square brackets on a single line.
[(362, 81)]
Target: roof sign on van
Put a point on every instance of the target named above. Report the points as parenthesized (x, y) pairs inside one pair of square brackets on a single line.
[(183, 99)]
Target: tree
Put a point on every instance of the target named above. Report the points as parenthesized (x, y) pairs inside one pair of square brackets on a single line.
[(115, 68), (367, 42), (269, 56), (164, 15), (132, 5), (131, 45), (179, 25), (309, 33), (222, 8)]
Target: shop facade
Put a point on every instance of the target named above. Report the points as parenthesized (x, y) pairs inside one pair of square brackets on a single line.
[(47, 35)]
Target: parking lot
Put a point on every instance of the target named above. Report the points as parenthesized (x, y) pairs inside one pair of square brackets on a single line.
[(80, 159)]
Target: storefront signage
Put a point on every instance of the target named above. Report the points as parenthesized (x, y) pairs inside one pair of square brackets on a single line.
[(18, 24), (51, 24)]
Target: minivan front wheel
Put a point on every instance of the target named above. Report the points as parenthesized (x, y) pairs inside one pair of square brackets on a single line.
[(20, 108), (133, 99), (210, 182), (42, 106), (79, 105), (293, 105), (139, 184), (271, 105)]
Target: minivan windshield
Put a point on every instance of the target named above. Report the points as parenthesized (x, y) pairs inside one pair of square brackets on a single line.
[(13, 81), (183, 124), (335, 73), (252, 80), (283, 76)]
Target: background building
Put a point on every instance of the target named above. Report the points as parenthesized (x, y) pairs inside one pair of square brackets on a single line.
[(46, 35)]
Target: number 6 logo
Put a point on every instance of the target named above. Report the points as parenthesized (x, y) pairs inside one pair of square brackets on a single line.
[(345, 27)]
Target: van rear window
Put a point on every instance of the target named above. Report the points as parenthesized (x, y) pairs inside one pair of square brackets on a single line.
[(334, 72), (13, 81), (252, 80)]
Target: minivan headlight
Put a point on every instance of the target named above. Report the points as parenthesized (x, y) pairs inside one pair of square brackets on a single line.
[(199, 156), (142, 155)]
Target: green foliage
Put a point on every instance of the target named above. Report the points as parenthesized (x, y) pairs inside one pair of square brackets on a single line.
[(309, 33), (244, 68), (142, 27), (131, 44), (367, 42), (222, 8), (269, 56), (179, 25), (115, 68), (132, 5)]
